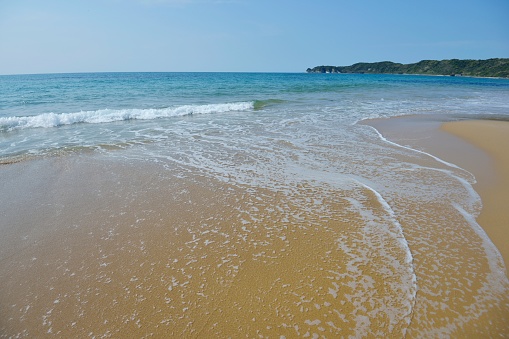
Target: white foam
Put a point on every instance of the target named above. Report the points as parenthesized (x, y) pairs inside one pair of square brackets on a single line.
[(392, 215), (498, 279), (475, 199), (400, 237), (475, 202), (418, 151), (47, 120)]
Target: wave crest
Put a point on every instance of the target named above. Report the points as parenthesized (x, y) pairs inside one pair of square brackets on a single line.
[(47, 120)]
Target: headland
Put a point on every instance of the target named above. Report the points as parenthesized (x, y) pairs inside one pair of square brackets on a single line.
[(492, 68)]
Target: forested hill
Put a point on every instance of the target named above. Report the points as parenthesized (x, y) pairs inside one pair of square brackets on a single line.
[(480, 68)]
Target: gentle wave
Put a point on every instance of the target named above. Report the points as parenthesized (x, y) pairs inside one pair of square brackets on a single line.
[(260, 104), (48, 120)]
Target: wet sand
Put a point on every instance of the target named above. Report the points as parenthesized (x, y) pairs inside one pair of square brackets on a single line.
[(479, 146), (493, 184), (96, 246), (436, 277)]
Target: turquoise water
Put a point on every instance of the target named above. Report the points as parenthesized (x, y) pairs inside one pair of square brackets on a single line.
[(42, 113), (409, 239)]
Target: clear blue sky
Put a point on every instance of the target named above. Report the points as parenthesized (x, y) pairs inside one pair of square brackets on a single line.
[(49, 36)]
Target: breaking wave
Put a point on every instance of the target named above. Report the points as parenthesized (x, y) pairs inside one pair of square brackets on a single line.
[(47, 120)]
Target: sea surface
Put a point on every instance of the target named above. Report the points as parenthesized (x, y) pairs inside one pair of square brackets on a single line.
[(219, 204), (41, 114)]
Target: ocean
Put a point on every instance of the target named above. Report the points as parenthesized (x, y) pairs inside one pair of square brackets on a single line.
[(240, 204)]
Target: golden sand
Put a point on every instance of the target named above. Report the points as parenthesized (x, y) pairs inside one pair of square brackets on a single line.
[(440, 299), (96, 247), (484, 154), (102, 249), (493, 138)]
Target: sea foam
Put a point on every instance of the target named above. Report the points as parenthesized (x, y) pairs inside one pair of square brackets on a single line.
[(47, 120)]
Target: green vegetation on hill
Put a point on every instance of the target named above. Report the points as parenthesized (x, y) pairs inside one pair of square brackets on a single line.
[(479, 68)]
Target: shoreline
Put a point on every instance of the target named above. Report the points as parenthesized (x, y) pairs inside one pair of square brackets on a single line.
[(163, 249), (177, 253), (475, 144), (491, 137)]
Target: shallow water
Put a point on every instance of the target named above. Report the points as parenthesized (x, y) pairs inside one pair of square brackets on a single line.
[(240, 204)]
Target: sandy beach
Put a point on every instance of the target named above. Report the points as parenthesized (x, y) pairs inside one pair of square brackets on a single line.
[(96, 245), (479, 146), (135, 253), (493, 138)]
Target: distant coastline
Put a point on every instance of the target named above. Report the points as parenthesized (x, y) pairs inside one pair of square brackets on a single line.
[(493, 68)]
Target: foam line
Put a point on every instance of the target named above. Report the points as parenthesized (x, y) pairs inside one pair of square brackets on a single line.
[(418, 151), (401, 239), (393, 217), (47, 120), (496, 263), (468, 187), (498, 278)]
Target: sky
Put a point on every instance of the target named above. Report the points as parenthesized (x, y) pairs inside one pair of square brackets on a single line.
[(64, 36)]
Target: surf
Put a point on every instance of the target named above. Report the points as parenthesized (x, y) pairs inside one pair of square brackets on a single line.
[(49, 120)]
